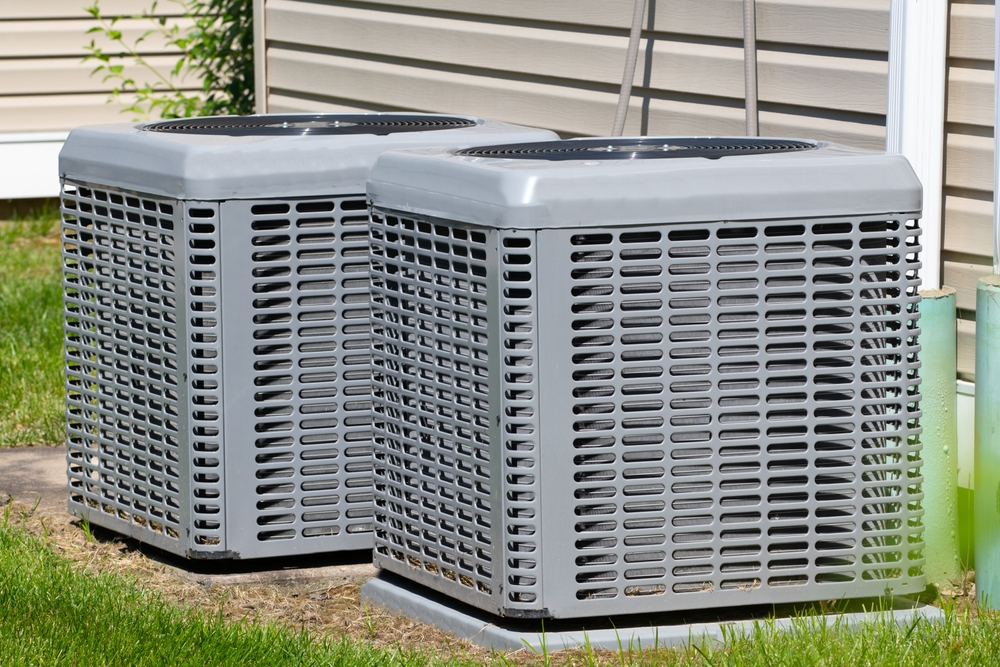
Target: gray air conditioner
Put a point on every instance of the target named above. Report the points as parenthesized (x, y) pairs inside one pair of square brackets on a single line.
[(616, 376), (216, 317)]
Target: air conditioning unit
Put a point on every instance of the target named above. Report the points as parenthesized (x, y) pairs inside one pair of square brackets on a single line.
[(614, 376), (216, 317)]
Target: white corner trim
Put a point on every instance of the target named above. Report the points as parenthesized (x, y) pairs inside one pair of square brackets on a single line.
[(29, 164), (32, 137), (918, 40)]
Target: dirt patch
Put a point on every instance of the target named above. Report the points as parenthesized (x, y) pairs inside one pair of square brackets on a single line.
[(323, 600), (961, 596)]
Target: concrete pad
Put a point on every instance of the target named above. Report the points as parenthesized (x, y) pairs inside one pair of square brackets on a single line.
[(492, 632), (31, 473)]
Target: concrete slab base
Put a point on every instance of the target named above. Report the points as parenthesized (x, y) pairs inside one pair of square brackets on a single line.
[(493, 632)]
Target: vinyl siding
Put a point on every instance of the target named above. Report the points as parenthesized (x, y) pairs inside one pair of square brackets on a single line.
[(822, 75), (822, 63), (968, 181), (45, 85)]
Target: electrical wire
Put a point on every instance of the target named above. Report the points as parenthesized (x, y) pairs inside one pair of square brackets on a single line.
[(625, 93), (750, 65)]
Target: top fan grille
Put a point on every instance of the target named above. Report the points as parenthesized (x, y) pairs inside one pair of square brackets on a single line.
[(289, 125), (639, 149)]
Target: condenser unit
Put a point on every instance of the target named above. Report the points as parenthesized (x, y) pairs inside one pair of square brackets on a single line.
[(614, 376), (216, 316)]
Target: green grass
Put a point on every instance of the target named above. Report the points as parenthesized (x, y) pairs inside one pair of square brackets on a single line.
[(52, 613), (31, 378)]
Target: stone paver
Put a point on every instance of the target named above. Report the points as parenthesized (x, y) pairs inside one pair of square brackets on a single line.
[(30, 473)]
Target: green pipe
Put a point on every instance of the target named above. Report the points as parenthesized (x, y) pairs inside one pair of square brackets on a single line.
[(939, 419), (987, 498)]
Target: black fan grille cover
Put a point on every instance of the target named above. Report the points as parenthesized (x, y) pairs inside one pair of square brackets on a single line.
[(639, 149), (293, 125)]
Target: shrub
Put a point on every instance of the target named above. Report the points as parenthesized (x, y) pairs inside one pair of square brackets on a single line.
[(216, 50)]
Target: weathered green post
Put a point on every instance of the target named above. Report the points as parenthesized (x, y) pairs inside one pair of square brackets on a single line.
[(987, 499), (939, 404), (986, 506)]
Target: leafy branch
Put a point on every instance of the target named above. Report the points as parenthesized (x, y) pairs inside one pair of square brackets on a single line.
[(216, 49)]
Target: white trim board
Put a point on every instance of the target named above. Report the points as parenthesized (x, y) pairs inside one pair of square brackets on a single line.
[(29, 164), (918, 44)]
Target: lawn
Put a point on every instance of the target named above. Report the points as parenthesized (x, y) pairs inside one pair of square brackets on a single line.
[(56, 610), (31, 379), (54, 614)]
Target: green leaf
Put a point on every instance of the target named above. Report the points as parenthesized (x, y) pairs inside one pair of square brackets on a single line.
[(216, 52)]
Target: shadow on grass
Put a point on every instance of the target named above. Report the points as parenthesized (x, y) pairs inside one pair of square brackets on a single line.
[(223, 567)]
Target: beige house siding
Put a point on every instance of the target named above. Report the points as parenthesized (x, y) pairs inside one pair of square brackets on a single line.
[(968, 179), (822, 63), (44, 84), (822, 71)]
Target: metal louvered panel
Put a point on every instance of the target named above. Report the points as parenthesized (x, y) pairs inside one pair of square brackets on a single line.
[(126, 400), (434, 337), (521, 474), (741, 403), (206, 435), (297, 337)]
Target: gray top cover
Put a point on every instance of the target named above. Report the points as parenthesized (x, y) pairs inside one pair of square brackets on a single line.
[(192, 165), (635, 188)]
